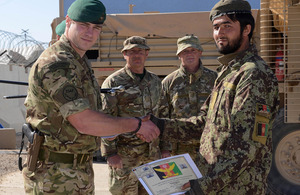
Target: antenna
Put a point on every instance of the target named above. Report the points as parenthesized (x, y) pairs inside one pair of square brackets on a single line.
[(131, 8), (25, 32)]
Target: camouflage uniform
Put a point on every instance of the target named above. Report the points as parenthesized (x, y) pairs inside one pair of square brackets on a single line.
[(183, 95), (235, 146), (61, 83), (139, 98)]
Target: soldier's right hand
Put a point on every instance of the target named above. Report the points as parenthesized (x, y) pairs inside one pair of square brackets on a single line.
[(148, 131), (115, 161)]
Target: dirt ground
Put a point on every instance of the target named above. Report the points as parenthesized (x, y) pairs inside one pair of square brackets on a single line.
[(9, 162), (11, 179), (9, 158)]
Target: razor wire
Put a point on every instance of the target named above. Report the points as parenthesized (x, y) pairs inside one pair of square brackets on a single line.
[(21, 50)]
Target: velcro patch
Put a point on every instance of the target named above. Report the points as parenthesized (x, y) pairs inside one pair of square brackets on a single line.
[(263, 110), (262, 129), (70, 93)]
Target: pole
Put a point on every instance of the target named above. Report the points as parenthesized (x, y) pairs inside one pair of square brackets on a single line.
[(14, 82)]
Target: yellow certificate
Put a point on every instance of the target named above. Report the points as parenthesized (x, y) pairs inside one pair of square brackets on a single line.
[(166, 176)]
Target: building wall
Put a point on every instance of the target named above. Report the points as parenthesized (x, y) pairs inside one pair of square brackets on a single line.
[(12, 111)]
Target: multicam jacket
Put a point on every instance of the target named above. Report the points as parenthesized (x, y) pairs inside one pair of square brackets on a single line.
[(61, 83), (236, 123), (183, 95), (140, 98)]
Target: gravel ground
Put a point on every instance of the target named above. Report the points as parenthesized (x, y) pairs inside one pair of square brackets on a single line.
[(9, 162), (11, 180), (9, 158)]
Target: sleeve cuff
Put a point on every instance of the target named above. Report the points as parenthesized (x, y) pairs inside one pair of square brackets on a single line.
[(74, 107), (195, 188)]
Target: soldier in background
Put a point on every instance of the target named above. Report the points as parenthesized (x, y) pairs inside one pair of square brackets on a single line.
[(64, 106), (184, 92), (60, 29), (235, 122), (141, 97)]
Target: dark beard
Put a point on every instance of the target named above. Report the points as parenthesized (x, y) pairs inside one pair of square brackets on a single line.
[(231, 47)]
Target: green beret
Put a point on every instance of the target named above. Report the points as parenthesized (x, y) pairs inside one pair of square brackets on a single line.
[(188, 41), (135, 41), (92, 11), (224, 7), (60, 28)]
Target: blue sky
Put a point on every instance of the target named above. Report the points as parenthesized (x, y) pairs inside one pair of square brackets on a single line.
[(37, 15)]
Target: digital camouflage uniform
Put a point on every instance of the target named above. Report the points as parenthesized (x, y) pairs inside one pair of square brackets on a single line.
[(183, 95), (61, 83), (140, 98), (235, 122)]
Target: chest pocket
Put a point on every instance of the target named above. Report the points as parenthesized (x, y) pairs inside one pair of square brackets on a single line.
[(130, 102), (179, 102), (221, 104), (91, 86)]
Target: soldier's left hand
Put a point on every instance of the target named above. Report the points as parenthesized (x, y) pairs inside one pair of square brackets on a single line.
[(115, 162)]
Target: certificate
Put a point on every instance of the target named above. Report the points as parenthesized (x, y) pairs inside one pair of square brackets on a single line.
[(167, 176)]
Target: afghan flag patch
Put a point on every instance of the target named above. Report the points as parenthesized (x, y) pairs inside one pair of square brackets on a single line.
[(262, 129), (263, 110), (167, 170)]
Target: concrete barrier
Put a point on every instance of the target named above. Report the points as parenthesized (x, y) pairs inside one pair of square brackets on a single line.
[(7, 138)]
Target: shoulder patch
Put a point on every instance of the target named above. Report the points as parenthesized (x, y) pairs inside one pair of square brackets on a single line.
[(70, 93), (260, 132), (262, 121), (263, 110), (262, 129), (59, 65)]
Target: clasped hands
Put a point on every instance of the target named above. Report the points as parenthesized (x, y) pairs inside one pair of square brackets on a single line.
[(148, 131)]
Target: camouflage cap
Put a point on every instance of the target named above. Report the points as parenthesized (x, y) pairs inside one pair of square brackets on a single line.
[(224, 7), (135, 41), (92, 11), (60, 28), (188, 41)]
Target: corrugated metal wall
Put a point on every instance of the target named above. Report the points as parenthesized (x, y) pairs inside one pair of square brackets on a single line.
[(280, 48), (162, 58)]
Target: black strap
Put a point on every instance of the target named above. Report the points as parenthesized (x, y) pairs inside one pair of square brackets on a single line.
[(20, 158), (139, 125)]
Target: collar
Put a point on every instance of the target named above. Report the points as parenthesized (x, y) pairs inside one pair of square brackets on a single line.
[(196, 75), (132, 74), (67, 44), (237, 59)]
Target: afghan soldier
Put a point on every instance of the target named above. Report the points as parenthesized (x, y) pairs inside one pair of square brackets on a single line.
[(184, 92), (236, 120), (63, 106), (141, 97)]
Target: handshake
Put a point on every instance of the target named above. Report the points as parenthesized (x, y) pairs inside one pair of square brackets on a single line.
[(151, 128)]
